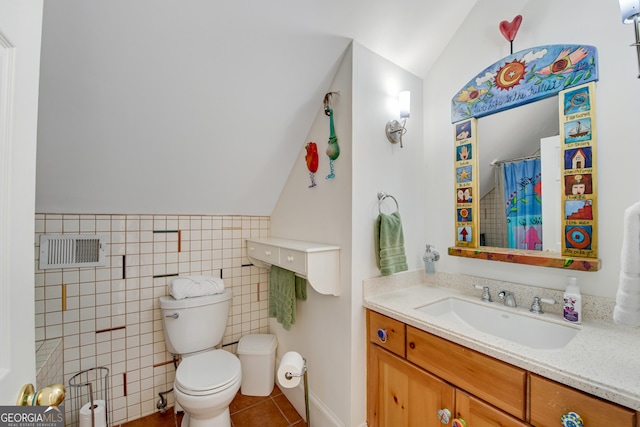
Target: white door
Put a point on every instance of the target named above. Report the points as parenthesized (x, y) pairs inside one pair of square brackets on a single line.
[(20, 34)]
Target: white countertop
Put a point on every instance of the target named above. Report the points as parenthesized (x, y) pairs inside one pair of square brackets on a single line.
[(603, 359)]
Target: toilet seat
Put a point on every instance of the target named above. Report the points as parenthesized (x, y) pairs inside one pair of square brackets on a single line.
[(208, 373)]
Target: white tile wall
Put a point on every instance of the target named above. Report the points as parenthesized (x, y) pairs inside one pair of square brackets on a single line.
[(115, 321), (491, 224)]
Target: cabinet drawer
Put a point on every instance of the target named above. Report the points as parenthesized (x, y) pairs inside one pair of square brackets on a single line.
[(267, 253), (550, 400), (293, 260), (493, 381), (392, 329)]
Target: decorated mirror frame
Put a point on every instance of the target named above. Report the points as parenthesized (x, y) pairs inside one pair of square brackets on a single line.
[(570, 72)]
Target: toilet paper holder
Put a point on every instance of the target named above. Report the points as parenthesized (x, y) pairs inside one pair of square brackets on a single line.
[(289, 375), (89, 389), (303, 374)]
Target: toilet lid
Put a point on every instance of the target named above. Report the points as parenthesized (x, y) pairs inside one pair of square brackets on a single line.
[(207, 372)]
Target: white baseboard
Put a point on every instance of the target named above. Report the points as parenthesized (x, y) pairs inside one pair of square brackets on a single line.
[(320, 414)]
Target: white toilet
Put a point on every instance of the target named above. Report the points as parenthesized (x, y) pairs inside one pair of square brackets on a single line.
[(206, 380)]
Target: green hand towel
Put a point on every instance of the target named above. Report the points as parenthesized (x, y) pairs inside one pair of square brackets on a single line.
[(301, 288), (284, 288), (389, 242)]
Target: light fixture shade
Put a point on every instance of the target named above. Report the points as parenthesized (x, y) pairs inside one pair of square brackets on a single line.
[(404, 102), (629, 9)]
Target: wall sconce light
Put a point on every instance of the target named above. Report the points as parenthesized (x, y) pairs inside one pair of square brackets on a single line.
[(394, 129), (629, 9)]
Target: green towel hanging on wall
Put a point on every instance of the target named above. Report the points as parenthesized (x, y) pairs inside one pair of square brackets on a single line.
[(389, 242), (284, 288)]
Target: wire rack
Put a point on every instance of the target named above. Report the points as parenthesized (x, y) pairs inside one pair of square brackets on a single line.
[(86, 387)]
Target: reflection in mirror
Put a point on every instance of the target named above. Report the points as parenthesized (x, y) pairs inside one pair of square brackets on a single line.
[(513, 213)]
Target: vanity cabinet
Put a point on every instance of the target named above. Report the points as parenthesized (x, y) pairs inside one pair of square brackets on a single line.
[(412, 374), (405, 391)]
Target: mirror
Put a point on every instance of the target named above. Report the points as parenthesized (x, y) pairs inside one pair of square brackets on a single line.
[(531, 118), (508, 137)]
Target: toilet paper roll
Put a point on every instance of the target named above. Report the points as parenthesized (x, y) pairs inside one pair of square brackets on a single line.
[(291, 363), (100, 413)]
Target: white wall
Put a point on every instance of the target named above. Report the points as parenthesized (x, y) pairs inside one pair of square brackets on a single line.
[(330, 330), (160, 106), (21, 25), (322, 214), (478, 44), (379, 165)]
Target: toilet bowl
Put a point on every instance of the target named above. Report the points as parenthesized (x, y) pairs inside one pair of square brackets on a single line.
[(207, 379), (205, 385)]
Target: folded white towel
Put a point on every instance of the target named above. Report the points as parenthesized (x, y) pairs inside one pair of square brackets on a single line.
[(630, 256), (623, 316), (195, 286), (627, 309), (630, 283), (628, 302)]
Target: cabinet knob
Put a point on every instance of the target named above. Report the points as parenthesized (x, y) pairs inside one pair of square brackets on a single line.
[(458, 422), (412, 345), (290, 258), (444, 415), (572, 419), (267, 253), (382, 335)]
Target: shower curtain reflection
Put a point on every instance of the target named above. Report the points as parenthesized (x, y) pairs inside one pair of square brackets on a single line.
[(522, 185)]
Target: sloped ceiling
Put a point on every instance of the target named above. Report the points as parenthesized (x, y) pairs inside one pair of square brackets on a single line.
[(200, 106)]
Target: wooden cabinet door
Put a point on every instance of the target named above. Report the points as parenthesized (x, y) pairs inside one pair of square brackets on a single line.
[(476, 413), (400, 394), (550, 400)]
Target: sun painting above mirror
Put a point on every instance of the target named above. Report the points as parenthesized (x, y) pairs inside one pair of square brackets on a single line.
[(525, 77)]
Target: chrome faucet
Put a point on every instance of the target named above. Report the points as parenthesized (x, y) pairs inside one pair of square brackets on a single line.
[(486, 296), (508, 298), (536, 306)]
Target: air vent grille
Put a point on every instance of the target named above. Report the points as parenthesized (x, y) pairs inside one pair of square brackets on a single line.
[(72, 250)]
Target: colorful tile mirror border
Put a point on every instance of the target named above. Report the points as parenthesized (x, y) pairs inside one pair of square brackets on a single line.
[(466, 179), (578, 177), (568, 71)]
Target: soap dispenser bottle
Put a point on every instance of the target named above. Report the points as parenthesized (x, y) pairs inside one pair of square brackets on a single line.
[(430, 257), (572, 300)]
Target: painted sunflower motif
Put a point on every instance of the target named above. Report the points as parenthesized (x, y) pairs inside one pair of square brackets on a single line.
[(471, 94)]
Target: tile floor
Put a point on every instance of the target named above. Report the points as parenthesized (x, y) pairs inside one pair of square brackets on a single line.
[(246, 411)]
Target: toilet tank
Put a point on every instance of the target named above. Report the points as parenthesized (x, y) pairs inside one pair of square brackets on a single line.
[(194, 324)]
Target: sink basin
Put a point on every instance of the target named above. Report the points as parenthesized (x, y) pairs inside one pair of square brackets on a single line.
[(530, 331)]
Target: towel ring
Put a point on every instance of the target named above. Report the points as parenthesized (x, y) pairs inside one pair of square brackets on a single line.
[(381, 196)]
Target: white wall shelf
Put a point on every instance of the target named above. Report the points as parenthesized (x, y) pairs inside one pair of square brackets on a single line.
[(317, 262)]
